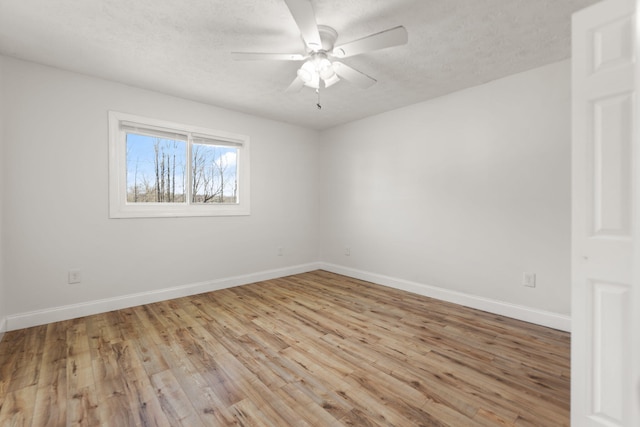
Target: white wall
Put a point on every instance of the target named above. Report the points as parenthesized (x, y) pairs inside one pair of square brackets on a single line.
[(56, 196), (3, 301), (465, 192)]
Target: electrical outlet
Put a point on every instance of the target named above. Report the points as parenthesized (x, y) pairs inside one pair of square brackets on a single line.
[(74, 276), (347, 251), (529, 280)]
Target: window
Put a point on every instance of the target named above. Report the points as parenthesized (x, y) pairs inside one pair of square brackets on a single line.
[(163, 169)]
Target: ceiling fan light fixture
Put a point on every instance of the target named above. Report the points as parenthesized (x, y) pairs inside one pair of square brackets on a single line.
[(323, 63), (331, 80), (327, 73), (304, 75), (315, 69), (326, 69), (314, 83), (307, 72)]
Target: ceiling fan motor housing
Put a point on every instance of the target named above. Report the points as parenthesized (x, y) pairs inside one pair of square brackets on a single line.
[(328, 38)]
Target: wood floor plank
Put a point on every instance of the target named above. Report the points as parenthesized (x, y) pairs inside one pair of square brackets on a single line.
[(18, 407), (144, 404), (197, 385), (82, 402), (313, 349), (79, 369), (175, 404), (27, 360), (327, 414), (50, 407), (82, 408)]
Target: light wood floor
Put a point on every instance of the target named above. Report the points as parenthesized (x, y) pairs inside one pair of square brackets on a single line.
[(313, 349)]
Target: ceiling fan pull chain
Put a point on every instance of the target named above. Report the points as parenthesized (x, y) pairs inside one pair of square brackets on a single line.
[(318, 104)]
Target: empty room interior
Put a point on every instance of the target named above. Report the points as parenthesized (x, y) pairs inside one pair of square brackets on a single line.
[(286, 212)]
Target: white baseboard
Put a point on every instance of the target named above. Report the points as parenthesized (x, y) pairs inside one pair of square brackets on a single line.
[(56, 314), (527, 314)]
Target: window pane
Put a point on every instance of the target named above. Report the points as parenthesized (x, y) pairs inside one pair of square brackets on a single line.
[(214, 174), (155, 169)]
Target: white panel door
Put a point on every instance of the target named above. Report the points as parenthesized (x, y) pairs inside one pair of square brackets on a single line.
[(605, 257)]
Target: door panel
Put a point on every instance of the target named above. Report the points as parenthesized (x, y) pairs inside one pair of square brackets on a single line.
[(604, 209)]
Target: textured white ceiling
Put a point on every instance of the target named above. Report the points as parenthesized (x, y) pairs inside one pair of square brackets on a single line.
[(183, 48)]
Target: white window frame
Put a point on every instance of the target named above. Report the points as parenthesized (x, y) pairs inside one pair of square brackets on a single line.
[(118, 205)]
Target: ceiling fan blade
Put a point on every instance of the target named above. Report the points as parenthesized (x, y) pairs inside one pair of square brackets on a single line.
[(305, 18), (352, 75), (392, 37), (257, 56), (295, 85)]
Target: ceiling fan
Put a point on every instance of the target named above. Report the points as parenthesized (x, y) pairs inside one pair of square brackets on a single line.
[(320, 67)]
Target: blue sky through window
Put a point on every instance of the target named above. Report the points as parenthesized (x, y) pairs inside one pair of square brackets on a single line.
[(157, 171)]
